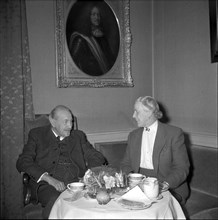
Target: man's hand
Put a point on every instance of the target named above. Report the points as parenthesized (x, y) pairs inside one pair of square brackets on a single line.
[(58, 185)]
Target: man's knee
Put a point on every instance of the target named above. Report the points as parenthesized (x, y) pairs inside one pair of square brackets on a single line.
[(48, 206), (45, 193)]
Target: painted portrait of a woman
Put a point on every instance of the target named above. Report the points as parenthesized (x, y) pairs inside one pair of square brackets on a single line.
[(93, 37)]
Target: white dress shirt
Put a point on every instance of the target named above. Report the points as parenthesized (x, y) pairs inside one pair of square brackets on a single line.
[(148, 138)]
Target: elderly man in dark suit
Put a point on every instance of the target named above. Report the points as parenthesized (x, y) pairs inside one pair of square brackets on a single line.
[(56, 155), (157, 150)]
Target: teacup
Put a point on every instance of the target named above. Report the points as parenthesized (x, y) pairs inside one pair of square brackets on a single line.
[(135, 176), (135, 179), (151, 187), (76, 186)]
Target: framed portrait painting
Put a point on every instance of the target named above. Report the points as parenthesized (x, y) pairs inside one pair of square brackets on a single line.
[(93, 42)]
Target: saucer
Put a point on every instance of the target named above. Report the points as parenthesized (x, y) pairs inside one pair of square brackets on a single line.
[(74, 196), (75, 191), (159, 197), (133, 205)]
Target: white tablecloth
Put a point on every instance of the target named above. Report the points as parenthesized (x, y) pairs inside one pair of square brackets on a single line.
[(166, 208)]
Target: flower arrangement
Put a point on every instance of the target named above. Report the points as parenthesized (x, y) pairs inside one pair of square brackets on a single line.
[(103, 177)]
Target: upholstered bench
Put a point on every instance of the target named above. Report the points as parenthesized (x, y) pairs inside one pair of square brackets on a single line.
[(203, 200), (211, 213), (113, 152)]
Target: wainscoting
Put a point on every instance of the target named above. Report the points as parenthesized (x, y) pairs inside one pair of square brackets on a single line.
[(202, 139)]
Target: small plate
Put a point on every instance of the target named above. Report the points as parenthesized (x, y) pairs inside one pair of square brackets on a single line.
[(133, 205), (157, 198), (75, 196)]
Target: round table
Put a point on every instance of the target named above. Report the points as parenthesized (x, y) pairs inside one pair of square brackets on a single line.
[(83, 208)]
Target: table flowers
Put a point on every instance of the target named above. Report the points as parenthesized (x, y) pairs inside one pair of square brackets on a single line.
[(103, 177)]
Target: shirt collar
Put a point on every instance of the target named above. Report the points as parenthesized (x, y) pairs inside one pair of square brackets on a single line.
[(152, 127), (61, 138)]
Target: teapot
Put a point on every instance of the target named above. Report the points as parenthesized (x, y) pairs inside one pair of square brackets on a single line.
[(151, 187)]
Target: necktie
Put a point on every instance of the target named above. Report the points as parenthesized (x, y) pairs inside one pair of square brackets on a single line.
[(58, 138), (147, 129)]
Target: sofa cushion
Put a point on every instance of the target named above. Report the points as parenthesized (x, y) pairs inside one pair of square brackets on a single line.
[(199, 201), (204, 171), (203, 180), (206, 214)]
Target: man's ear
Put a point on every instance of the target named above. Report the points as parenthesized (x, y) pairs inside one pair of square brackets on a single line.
[(52, 121)]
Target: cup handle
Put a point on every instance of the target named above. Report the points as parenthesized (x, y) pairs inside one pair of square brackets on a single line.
[(143, 178), (68, 186)]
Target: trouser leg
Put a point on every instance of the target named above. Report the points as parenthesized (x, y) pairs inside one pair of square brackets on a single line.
[(47, 196)]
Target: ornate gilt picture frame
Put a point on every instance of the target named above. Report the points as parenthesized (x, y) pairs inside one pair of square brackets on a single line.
[(88, 55)]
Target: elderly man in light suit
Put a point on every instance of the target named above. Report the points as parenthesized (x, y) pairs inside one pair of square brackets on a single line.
[(157, 150)]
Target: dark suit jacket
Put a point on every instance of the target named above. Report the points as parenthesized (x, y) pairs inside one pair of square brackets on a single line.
[(41, 154), (170, 158)]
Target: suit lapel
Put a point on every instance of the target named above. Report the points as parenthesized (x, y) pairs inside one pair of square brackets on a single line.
[(137, 147), (50, 137), (71, 141), (158, 145)]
